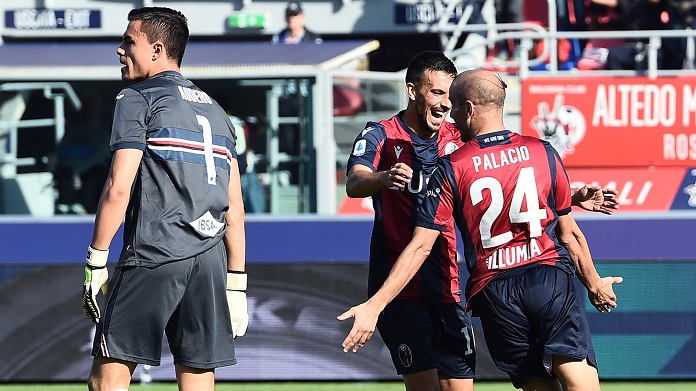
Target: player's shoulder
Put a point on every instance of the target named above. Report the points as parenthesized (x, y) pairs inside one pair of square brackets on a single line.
[(533, 141), (128, 95), (374, 130)]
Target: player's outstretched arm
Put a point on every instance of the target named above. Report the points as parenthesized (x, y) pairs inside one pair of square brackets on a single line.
[(404, 269), (600, 290), (596, 199), (363, 182)]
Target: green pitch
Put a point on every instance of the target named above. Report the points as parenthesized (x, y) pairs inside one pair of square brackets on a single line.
[(346, 386)]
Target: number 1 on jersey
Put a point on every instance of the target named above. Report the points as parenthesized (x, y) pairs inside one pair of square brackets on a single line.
[(207, 148)]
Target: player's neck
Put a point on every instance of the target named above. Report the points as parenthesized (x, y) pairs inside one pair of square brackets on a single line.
[(415, 123), (489, 128), (164, 67)]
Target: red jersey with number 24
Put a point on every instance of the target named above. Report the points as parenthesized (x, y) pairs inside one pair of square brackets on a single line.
[(504, 192)]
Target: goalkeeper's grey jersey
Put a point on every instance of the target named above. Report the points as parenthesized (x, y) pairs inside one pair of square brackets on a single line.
[(179, 197)]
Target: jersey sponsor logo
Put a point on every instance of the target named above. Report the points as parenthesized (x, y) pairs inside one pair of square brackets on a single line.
[(405, 355), (206, 225), (450, 147), (195, 96), (119, 96), (397, 150), (359, 148), (417, 183), (501, 158), (509, 257), (433, 193)]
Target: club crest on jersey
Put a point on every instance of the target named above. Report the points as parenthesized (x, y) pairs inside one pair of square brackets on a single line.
[(405, 355), (397, 150), (206, 225), (359, 148), (450, 147)]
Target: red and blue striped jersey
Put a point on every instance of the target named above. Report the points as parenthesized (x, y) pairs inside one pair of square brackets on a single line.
[(379, 146), (504, 192)]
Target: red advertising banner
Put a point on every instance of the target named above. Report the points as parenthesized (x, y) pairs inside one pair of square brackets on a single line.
[(640, 189), (614, 121)]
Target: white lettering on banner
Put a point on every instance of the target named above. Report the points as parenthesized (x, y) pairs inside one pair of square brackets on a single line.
[(77, 19), (506, 257), (32, 19), (679, 146), (569, 89), (501, 158), (688, 104), (627, 194), (635, 105)]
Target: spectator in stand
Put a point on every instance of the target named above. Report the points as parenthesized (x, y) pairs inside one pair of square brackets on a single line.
[(636, 15), (507, 11), (295, 31), (295, 91), (682, 15)]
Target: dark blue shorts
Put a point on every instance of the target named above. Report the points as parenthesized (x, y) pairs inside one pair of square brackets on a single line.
[(529, 317), (422, 336)]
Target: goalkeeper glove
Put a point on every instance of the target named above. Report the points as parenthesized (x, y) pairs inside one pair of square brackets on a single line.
[(237, 302), (96, 275)]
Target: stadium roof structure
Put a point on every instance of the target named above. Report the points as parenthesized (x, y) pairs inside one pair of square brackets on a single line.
[(269, 64), (28, 61)]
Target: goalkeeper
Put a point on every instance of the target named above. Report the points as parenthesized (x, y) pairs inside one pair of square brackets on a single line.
[(175, 178)]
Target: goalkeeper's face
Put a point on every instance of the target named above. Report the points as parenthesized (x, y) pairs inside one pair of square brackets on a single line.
[(136, 54)]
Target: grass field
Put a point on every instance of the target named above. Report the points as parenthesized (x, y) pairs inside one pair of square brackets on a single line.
[(359, 386)]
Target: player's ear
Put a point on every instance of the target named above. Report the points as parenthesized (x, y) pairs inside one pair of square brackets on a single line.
[(411, 91), (157, 50), (469, 107)]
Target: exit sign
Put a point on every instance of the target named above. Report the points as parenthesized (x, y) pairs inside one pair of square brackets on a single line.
[(248, 20)]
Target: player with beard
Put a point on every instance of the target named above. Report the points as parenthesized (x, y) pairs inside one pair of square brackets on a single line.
[(421, 319), (426, 329), (521, 244)]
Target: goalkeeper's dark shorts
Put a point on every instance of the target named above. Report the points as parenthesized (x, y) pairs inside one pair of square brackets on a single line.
[(423, 336), (184, 299), (530, 317)]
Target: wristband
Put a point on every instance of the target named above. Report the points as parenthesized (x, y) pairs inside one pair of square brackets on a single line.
[(96, 259), (236, 281)]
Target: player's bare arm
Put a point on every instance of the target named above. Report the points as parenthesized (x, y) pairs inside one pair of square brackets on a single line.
[(235, 245), (363, 182), (115, 196), (596, 199), (235, 235), (404, 269), (600, 290)]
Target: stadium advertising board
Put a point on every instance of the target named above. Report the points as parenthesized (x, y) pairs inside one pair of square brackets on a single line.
[(303, 273), (641, 189), (609, 121), (52, 19)]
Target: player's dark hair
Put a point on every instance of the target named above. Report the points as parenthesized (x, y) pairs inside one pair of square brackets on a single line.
[(429, 60), (165, 25)]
